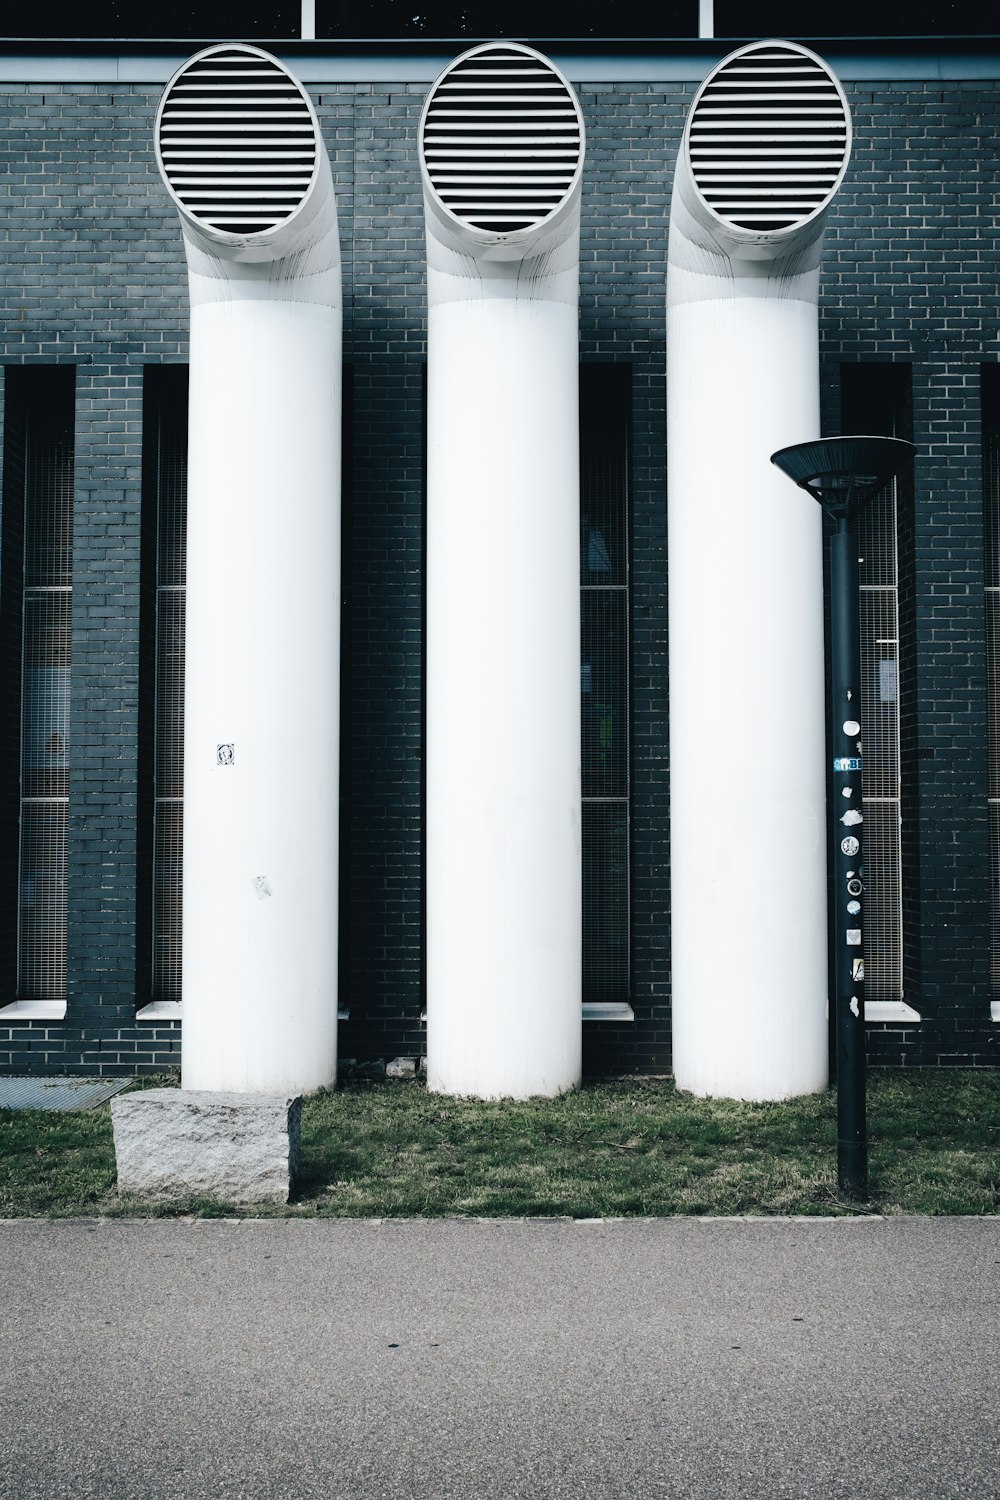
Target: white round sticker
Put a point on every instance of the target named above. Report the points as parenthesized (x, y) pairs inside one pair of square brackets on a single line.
[(851, 726), (854, 907), (850, 845)]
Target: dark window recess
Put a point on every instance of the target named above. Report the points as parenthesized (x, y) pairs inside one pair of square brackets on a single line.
[(605, 408), (990, 390), (876, 399), (36, 622), (165, 434), (848, 18), (195, 20), (520, 20), (258, 20)]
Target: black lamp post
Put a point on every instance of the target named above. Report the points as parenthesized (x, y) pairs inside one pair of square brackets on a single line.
[(843, 474)]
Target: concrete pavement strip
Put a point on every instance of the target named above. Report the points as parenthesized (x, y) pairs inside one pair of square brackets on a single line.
[(682, 1357)]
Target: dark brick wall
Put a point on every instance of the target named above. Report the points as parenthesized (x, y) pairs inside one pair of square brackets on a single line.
[(12, 413), (910, 275), (633, 133), (382, 837), (95, 277)]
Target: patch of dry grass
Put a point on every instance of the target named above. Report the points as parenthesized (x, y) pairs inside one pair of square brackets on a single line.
[(629, 1147)]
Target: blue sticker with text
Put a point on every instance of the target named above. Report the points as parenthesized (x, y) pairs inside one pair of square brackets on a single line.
[(847, 763)]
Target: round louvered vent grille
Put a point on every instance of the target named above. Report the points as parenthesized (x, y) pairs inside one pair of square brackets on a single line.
[(768, 138), (237, 140), (502, 139)]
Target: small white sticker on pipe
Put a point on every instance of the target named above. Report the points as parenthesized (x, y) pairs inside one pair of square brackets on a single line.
[(852, 818), (855, 1007), (851, 726), (853, 937)]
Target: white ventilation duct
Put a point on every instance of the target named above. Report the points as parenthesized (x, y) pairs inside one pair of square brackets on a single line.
[(240, 150), (764, 152), (501, 153)]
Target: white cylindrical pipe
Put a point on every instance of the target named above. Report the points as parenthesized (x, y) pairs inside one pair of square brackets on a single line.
[(764, 152), (501, 147), (240, 149)]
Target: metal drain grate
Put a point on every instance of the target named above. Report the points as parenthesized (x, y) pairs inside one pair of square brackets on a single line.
[(237, 139), (67, 1094), (502, 139), (769, 137)]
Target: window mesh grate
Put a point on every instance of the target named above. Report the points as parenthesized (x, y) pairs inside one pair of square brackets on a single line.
[(46, 643), (168, 773), (990, 394), (502, 139), (879, 605), (605, 401), (768, 138), (237, 139), (874, 401)]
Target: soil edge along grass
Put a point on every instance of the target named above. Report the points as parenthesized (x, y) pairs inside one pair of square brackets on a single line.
[(628, 1147)]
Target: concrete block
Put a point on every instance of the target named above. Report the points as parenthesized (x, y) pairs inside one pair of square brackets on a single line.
[(172, 1144)]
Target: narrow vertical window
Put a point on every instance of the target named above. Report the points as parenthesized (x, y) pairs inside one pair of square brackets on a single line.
[(166, 480), (605, 404), (38, 588), (877, 401), (990, 390)]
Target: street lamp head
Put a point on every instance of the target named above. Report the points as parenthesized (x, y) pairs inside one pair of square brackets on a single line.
[(843, 473)]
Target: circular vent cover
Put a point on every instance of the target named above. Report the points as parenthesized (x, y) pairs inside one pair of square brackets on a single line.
[(502, 138), (769, 137), (237, 140)]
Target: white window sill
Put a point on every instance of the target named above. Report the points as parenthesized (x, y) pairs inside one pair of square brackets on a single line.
[(593, 1010), (160, 1010), (32, 1010), (173, 1010), (607, 1010), (890, 1010)]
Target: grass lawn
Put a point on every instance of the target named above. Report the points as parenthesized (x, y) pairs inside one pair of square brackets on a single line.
[(632, 1146)]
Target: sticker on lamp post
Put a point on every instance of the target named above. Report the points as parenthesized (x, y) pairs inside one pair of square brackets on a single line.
[(850, 845), (225, 755)]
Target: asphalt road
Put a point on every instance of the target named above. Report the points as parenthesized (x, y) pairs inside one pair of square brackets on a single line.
[(451, 1359)]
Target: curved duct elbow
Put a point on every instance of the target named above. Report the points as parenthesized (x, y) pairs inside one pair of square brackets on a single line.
[(240, 151), (765, 150), (501, 156)]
